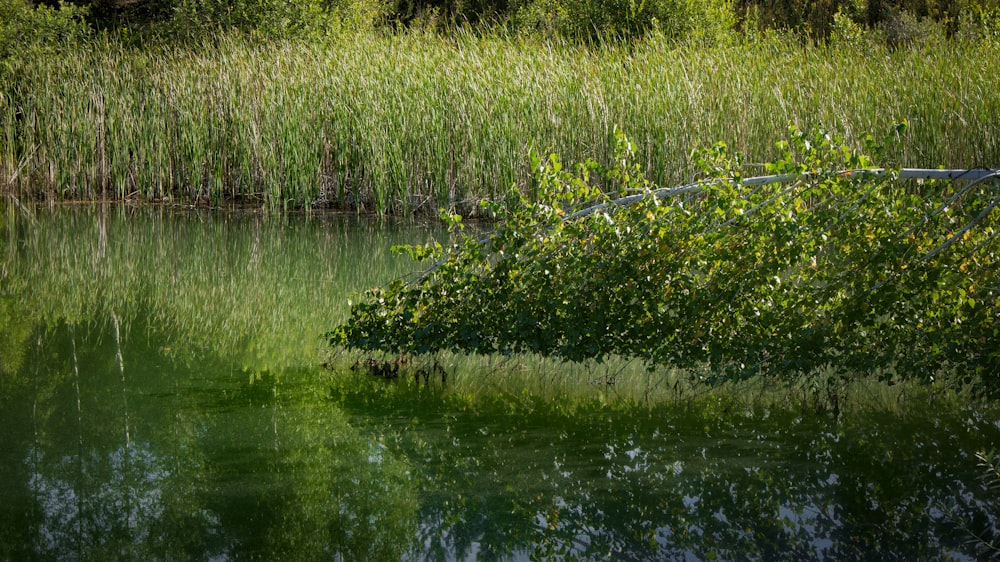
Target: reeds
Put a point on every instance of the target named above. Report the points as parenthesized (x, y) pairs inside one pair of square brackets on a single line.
[(413, 122)]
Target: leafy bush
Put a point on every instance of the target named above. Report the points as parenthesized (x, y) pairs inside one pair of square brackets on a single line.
[(904, 29), (980, 22), (845, 32), (813, 17), (272, 18), (27, 30), (445, 13), (835, 270), (897, 22), (592, 19)]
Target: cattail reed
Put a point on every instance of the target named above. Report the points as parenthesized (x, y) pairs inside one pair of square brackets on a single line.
[(414, 122)]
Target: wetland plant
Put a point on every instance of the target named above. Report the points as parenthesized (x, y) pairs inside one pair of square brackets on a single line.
[(413, 122)]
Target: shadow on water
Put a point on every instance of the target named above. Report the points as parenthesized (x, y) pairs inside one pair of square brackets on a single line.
[(160, 399)]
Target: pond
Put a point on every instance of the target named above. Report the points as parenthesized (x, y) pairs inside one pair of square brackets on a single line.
[(162, 398)]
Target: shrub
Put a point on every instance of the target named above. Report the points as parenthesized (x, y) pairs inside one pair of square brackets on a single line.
[(904, 29), (846, 33), (26, 29), (980, 22), (443, 13), (835, 270), (273, 19), (615, 19)]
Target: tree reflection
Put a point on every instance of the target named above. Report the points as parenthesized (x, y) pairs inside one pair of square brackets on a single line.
[(106, 507), (511, 475), (180, 462)]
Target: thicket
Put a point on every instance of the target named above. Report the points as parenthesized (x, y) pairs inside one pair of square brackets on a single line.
[(834, 272)]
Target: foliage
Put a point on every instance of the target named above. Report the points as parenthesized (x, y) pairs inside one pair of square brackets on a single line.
[(849, 270), (30, 30), (845, 32), (898, 19), (590, 19), (814, 17), (444, 14), (980, 22), (575, 19), (587, 20), (272, 18)]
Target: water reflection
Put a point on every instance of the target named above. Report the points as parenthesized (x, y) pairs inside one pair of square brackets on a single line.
[(180, 462), (259, 291), (105, 507), (513, 476)]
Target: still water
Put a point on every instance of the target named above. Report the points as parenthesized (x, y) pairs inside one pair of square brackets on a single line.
[(161, 398)]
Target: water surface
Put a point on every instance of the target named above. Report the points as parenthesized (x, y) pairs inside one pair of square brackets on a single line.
[(161, 398)]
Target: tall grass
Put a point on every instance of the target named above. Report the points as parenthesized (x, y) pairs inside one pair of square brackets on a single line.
[(410, 122)]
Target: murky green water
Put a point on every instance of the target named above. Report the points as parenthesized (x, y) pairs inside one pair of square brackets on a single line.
[(161, 399)]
